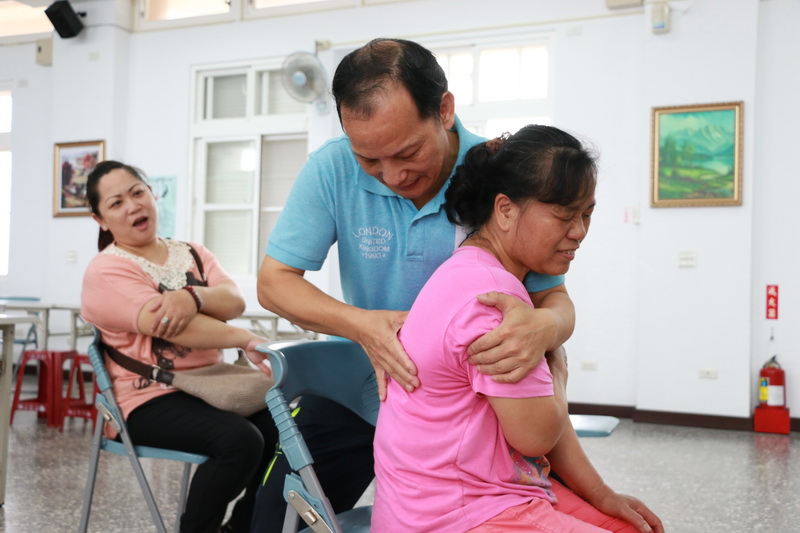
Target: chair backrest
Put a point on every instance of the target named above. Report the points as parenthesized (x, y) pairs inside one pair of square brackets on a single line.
[(338, 370), (341, 372), (96, 353)]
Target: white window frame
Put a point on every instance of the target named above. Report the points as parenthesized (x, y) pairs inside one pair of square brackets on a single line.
[(201, 208), (140, 23), (202, 77), (271, 209), (253, 128), (245, 10), (475, 115), (251, 123), (251, 12)]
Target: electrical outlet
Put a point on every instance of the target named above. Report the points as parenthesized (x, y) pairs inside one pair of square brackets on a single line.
[(708, 373), (587, 364)]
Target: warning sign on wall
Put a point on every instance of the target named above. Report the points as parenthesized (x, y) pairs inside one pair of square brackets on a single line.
[(772, 302)]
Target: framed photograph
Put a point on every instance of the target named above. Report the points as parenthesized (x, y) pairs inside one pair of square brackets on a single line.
[(72, 164), (697, 155)]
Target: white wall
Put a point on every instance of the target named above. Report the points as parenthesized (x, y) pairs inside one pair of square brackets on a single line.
[(776, 253), (648, 325)]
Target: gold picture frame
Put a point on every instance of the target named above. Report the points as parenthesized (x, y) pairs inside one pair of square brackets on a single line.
[(72, 163), (697, 155)]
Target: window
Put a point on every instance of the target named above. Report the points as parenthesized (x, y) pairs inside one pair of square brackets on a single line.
[(262, 8), (281, 161), (5, 179), (181, 9), (265, 4), (157, 14), (244, 94), (250, 142), (499, 86), (226, 97), (228, 201), (162, 14)]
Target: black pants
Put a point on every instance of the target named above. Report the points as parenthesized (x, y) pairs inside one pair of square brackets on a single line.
[(239, 449), (340, 443)]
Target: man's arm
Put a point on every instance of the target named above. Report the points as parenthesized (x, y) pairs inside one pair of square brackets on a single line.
[(518, 344), (283, 290)]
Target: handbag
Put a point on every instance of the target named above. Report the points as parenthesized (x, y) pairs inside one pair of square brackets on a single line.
[(238, 387)]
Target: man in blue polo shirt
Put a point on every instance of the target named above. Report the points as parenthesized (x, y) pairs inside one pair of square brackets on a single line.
[(378, 193)]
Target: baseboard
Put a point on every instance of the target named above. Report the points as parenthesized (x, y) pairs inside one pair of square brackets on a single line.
[(664, 417)]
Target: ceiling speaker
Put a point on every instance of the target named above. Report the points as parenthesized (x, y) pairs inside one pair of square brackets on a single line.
[(64, 19)]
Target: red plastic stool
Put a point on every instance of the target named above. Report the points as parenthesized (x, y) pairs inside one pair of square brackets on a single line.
[(51, 377), (78, 407), (43, 402)]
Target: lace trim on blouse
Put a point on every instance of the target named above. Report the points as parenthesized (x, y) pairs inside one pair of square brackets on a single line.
[(172, 274)]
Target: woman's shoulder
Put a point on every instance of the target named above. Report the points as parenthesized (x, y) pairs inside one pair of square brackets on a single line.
[(200, 250), (111, 257), (475, 269)]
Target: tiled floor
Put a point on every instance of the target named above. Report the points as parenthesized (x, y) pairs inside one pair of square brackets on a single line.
[(697, 480)]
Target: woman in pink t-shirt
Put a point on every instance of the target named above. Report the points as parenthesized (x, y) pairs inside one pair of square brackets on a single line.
[(152, 301), (464, 453)]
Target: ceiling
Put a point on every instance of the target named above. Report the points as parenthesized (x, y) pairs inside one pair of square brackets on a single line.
[(19, 17)]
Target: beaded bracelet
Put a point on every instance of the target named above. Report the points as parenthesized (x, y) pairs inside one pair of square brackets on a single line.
[(197, 299)]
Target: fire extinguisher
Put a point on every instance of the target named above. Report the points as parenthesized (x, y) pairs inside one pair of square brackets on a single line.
[(772, 384)]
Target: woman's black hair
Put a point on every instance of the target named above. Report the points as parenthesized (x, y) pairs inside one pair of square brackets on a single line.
[(367, 70), (538, 162), (93, 195)]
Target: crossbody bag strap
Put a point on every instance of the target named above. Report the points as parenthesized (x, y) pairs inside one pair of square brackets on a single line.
[(197, 261), (151, 372)]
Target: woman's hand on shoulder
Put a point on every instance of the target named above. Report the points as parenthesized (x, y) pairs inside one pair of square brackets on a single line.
[(172, 310)]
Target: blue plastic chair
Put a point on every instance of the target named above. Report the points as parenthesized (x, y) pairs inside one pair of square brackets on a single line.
[(110, 413), (339, 371)]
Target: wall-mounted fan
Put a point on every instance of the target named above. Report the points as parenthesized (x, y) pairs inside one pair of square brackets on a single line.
[(304, 77)]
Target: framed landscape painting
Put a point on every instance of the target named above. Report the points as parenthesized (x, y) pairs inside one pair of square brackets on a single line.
[(697, 155), (72, 164)]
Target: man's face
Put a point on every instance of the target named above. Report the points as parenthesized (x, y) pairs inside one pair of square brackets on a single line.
[(411, 156)]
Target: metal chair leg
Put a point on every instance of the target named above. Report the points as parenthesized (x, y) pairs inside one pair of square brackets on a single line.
[(187, 470), (90, 481)]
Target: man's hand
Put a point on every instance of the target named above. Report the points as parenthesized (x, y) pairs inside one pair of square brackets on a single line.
[(379, 339), (509, 352)]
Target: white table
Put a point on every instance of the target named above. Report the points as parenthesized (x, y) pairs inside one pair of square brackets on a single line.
[(7, 325), (265, 324), (78, 327)]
